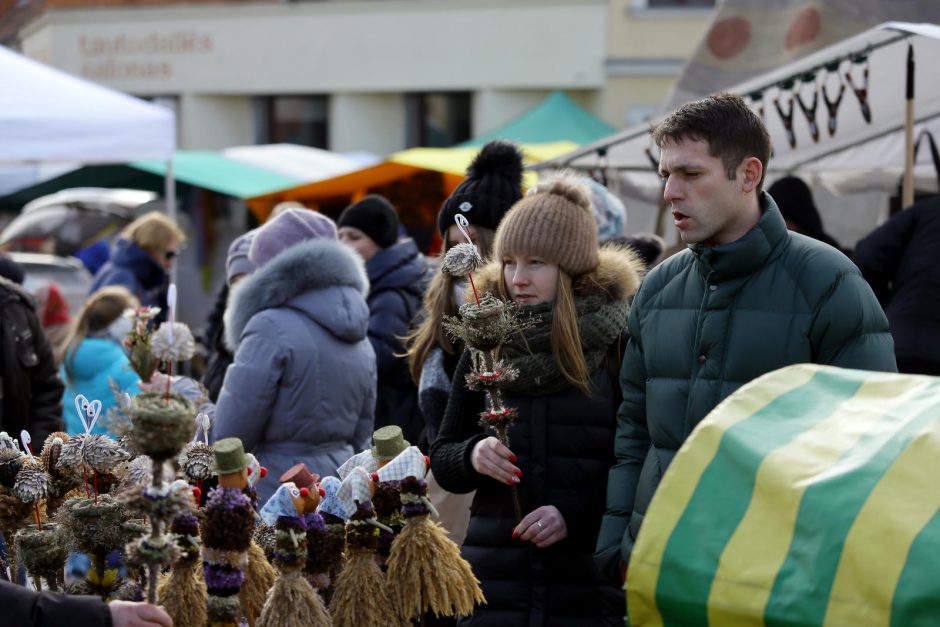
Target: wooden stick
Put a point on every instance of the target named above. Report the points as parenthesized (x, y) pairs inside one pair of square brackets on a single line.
[(907, 191)]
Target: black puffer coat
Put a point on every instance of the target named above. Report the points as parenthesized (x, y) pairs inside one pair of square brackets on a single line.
[(398, 276), (564, 442), (899, 260), (26, 608), (29, 379)]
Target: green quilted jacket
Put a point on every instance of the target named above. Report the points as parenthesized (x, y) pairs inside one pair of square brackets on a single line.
[(710, 319)]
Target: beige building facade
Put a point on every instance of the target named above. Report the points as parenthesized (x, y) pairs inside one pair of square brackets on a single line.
[(372, 75)]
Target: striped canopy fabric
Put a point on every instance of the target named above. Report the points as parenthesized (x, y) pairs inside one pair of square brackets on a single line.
[(811, 496)]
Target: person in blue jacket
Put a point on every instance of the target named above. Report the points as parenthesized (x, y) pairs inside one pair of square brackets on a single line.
[(141, 259), (95, 356)]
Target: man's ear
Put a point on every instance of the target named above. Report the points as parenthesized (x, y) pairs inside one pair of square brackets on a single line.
[(752, 170)]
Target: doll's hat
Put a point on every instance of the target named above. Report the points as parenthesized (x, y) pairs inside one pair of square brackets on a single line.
[(388, 442), (229, 456), (299, 476)]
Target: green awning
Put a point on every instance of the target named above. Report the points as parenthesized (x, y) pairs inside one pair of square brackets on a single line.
[(203, 169), (216, 172), (556, 118)]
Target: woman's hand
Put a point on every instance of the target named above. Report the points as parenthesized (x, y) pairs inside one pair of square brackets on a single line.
[(489, 457), (542, 527), (157, 383)]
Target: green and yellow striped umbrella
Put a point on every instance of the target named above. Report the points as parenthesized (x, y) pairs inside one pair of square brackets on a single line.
[(810, 496)]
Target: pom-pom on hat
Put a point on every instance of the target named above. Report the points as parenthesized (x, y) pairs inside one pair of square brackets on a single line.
[(288, 229), (554, 222), (375, 216), (492, 185)]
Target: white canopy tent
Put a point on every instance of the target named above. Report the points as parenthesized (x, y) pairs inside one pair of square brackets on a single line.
[(48, 115), (861, 157), (302, 162)]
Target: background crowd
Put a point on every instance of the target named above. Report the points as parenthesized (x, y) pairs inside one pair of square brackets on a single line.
[(324, 332)]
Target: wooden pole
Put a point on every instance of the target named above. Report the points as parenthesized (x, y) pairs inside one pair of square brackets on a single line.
[(907, 191)]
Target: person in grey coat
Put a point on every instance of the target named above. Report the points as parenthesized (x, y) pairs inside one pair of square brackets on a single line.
[(302, 386)]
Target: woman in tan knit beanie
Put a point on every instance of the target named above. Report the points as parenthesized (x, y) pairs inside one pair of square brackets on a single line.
[(540, 569)]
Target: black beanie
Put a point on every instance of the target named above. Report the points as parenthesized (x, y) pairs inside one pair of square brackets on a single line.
[(374, 216), (493, 185), (795, 201)]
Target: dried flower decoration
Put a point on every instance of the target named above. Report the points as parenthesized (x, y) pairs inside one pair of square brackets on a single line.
[(461, 260), (138, 341), (173, 341)]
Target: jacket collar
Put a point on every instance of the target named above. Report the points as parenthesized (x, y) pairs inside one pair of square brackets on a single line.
[(127, 254), (399, 265), (303, 268), (749, 253)]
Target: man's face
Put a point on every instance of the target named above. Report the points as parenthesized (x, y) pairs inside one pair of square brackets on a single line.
[(707, 208)]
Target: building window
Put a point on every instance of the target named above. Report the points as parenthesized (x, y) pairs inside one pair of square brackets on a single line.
[(300, 120), (437, 120)]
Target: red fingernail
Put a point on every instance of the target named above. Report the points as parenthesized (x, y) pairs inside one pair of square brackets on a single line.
[(513, 458), (515, 534), (519, 473), (510, 482)]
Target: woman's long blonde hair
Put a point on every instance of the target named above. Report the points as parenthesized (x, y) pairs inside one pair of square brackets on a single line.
[(565, 334), (437, 303), (100, 310)]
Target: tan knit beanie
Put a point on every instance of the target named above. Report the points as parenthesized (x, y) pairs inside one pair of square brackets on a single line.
[(554, 221)]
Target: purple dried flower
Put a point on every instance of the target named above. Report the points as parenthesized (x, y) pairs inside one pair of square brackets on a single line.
[(223, 577), (227, 498), (314, 522)]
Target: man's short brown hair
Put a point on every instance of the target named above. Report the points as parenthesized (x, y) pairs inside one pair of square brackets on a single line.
[(733, 132)]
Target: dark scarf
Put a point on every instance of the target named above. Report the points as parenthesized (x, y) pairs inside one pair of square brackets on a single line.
[(600, 321)]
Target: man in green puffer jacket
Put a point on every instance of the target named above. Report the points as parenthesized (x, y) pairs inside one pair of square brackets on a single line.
[(746, 298)]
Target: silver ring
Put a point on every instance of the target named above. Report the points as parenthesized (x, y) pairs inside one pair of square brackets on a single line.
[(539, 523)]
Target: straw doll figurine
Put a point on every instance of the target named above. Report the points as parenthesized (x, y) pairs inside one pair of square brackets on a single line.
[(425, 569), (360, 596), (291, 602), (228, 523), (183, 593), (326, 544)]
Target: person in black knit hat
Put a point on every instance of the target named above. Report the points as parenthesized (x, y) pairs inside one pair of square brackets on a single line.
[(375, 218), (795, 201), (398, 275), (492, 185)]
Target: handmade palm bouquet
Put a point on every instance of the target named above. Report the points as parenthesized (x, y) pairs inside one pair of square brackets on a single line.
[(484, 325), (160, 424)]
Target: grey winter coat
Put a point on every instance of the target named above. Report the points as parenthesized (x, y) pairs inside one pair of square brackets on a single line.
[(302, 386)]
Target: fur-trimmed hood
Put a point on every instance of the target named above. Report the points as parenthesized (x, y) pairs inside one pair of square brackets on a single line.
[(325, 266), (618, 273)]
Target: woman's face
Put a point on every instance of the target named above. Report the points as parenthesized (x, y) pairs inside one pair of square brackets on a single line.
[(530, 280), (168, 254), (358, 241)]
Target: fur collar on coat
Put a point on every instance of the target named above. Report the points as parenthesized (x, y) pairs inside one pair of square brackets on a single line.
[(302, 268)]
